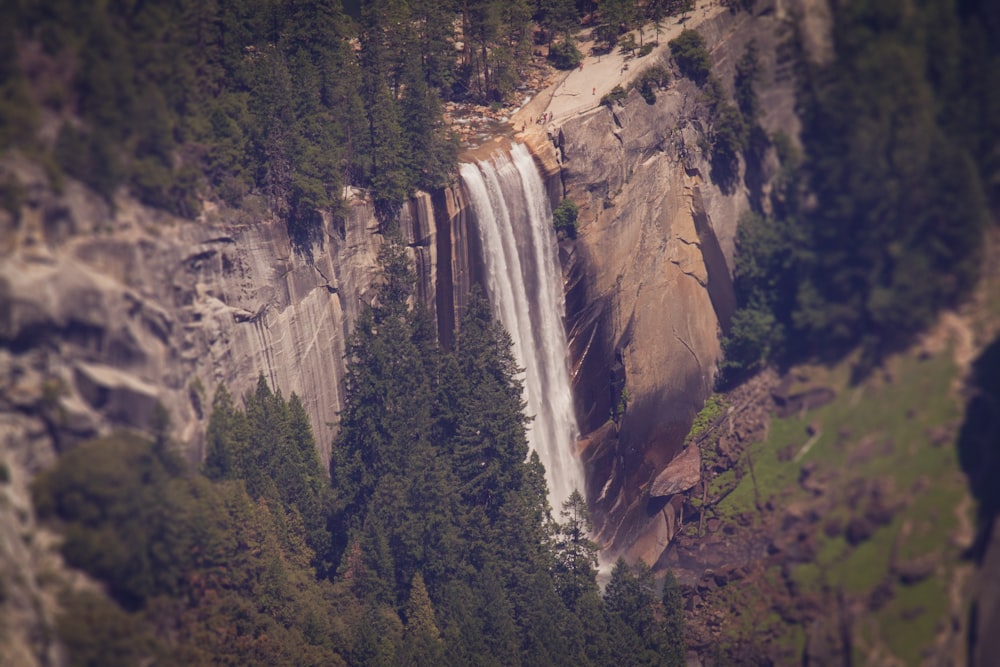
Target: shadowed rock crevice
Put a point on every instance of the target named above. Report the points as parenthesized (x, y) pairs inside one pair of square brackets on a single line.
[(979, 455)]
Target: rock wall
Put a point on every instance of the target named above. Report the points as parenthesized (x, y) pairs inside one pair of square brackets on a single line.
[(649, 288), (110, 311)]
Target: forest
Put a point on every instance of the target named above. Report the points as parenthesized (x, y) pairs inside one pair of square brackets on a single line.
[(877, 224), (428, 542), (273, 107)]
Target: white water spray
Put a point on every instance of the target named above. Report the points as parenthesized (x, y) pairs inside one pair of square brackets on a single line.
[(512, 214)]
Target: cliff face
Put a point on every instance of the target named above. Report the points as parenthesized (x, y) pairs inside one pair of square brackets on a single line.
[(649, 278), (114, 310), (105, 312)]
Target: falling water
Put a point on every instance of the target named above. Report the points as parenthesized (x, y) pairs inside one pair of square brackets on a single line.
[(514, 220)]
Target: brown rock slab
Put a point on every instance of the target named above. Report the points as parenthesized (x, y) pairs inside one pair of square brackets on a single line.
[(682, 473)]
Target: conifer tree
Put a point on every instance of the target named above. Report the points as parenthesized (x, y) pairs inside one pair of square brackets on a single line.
[(432, 150), (387, 173), (434, 40), (491, 443), (673, 622), (422, 646), (558, 17), (629, 598), (220, 435), (576, 554), (271, 448), (498, 613), (387, 408)]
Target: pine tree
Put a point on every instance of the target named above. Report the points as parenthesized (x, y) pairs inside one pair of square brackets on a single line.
[(387, 408), (559, 18), (497, 615), (371, 565), (273, 122), (575, 569), (434, 38), (308, 490), (491, 443), (630, 599), (422, 645), (219, 436), (432, 150), (672, 623), (380, 83)]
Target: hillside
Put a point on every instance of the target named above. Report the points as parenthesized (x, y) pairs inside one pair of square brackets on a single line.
[(835, 521)]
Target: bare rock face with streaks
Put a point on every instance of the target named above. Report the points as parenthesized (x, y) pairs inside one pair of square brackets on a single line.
[(650, 276), (125, 308)]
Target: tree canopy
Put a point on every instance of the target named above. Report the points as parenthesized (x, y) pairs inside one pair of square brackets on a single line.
[(880, 226)]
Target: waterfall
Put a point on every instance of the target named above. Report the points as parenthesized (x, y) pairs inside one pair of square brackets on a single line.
[(513, 218)]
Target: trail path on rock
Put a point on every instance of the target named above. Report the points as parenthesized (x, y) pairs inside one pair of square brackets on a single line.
[(580, 90)]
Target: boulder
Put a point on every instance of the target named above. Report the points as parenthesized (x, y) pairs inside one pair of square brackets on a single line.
[(77, 419), (683, 473), (810, 399), (119, 396), (916, 570)]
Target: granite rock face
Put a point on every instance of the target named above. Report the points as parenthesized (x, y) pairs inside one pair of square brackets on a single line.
[(649, 278), (127, 308)]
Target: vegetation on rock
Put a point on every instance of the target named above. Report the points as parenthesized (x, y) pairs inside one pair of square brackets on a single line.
[(617, 94), (565, 55), (691, 56), (850, 500), (564, 217), (652, 79)]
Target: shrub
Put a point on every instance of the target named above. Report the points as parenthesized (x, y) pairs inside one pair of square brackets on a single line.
[(627, 45), (565, 55), (729, 137), (748, 73), (691, 56), (715, 406), (617, 94), (646, 49), (564, 217), (755, 337), (651, 79)]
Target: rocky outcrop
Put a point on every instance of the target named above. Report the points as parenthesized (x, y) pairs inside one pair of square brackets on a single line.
[(682, 474), (121, 309), (649, 278)]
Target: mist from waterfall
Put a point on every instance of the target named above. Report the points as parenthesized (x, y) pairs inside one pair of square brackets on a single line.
[(513, 217)]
